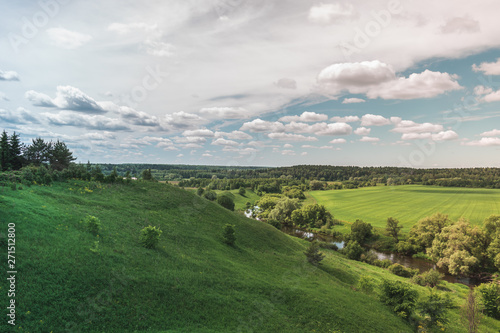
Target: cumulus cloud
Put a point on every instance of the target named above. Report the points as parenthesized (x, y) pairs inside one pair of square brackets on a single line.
[(369, 139), (138, 118), (98, 136), (67, 39), (67, 98), (441, 136), (319, 147), (494, 132), (224, 142), (290, 137), (319, 128), (331, 13), (484, 142), (96, 122), (8, 76), (362, 131), (346, 119), (224, 113), (408, 126), (288, 152), (237, 135), (190, 139), (378, 80), (287, 145), (488, 68), (286, 83), (259, 126), (337, 141), (20, 116), (460, 25), (487, 94), (306, 117), (374, 120), (206, 133), (353, 100), (181, 121)]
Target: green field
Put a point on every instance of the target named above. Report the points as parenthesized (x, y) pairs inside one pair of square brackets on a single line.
[(240, 201), (409, 203)]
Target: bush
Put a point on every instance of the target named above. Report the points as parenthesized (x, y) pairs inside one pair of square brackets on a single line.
[(229, 234), (150, 236), (399, 296), (403, 271), (92, 224), (490, 297), (383, 263), (225, 202), (432, 309), (313, 255), (353, 250), (242, 191), (430, 278), (366, 283), (274, 223), (210, 195), (200, 191)]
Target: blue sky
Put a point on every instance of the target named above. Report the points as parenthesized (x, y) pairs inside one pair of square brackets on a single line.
[(240, 82)]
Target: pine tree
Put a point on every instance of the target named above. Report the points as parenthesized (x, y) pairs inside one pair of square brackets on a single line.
[(60, 156), (38, 152), (313, 255), (15, 147), (5, 156)]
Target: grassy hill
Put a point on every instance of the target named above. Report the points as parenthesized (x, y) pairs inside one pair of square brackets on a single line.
[(192, 282), (409, 203)]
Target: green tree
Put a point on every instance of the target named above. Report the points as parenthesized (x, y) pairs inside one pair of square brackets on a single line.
[(312, 215), (490, 297), (422, 234), (393, 228), (200, 191), (226, 202), (38, 152), (16, 148), (399, 296), (242, 191), (432, 309), (282, 212), (147, 175), (360, 232), (313, 255), (150, 236), (471, 312), (353, 250), (5, 152), (60, 156), (229, 234)]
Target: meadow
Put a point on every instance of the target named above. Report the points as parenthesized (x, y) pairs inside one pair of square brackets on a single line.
[(409, 203), (72, 280)]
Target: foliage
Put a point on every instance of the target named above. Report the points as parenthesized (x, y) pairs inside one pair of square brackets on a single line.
[(353, 250), (60, 156), (405, 248), (403, 271), (229, 234), (490, 298), (210, 195), (430, 278), (360, 232), (242, 191), (225, 201), (92, 224), (150, 236), (366, 283), (313, 255), (266, 204), (274, 223), (283, 210), (312, 216), (147, 175), (422, 234), (399, 296), (459, 247), (315, 185), (471, 312), (433, 309), (393, 228)]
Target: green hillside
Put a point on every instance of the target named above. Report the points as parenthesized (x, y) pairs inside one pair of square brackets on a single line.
[(192, 282), (409, 203)]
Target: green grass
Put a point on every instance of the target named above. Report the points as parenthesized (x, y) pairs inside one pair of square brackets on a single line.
[(409, 203), (240, 201), (192, 282)]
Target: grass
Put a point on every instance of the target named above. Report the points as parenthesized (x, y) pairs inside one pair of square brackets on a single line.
[(240, 201), (192, 282), (409, 203)]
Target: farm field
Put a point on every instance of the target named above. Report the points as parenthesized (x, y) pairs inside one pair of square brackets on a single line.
[(409, 203)]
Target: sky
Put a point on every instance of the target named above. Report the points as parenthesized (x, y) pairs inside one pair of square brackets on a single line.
[(256, 82)]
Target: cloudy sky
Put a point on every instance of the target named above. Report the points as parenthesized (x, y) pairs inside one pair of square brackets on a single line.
[(256, 82)]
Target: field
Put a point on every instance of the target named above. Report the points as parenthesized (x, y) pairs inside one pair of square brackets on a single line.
[(240, 201), (409, 203)]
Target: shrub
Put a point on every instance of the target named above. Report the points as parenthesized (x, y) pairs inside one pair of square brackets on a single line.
[(210, 195), (229, 234), (432, 309), (200, 191), (150, 236), (92, 224), (403, 271), (490, 297), (383, 263), (274, 223), (313, 255), (399, 296), (431, 278), (366, 283), (225, 202), (353, 250), (242, 191)]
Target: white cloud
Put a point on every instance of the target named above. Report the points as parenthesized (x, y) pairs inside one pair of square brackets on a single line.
[(445, 136), (408, 126), (331, 13), (67, 39), (180, 155), (441, 136), (291, 137), (374, 120), (307, 117), (288, 152), (319, 128), (199, 132), (207, 155), (317, 147), (482, 90), (287, 145), (67, 98), (369, 139), (190, 139), (8, 76), (98, 136), (337, 141), (488, 68), (353, 100), (304, 153), (491, 97), (224, 113), (132, 116), (20, 116), (362, 131), (286, 83), (259, 126), (182, 121), (238, 135), (346, 119), (494, 132), (460, 25), (96, 122), (484, 142), (224, 142), (158, 48), (378, 80)]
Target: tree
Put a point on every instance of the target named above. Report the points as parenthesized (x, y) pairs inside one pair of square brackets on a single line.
[(471, 312), (399, 296), (150, 236), (5, 152), (225, 201), (315, 185), (313, 255), (422, 234), (490, 296), (360, 232), (393, 228), (353, 250), (242, 191), (15, 147), (229, 234), (38, 152), (433, 309), (282, 212), (147, 175), (313, 216), (60, 156), (200, 191)]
